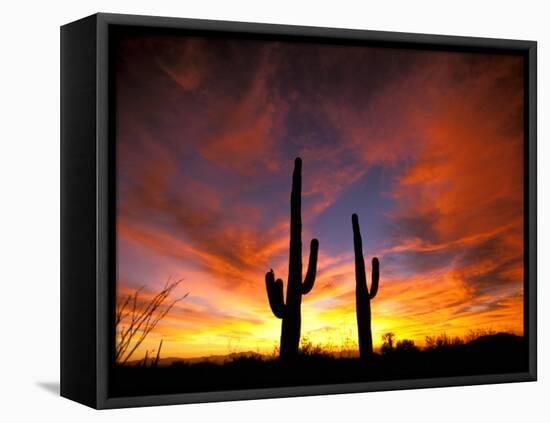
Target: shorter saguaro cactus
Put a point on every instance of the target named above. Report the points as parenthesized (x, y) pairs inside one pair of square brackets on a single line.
[(362, 294)]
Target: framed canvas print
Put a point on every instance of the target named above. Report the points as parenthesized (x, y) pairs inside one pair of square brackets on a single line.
[(257, 211)]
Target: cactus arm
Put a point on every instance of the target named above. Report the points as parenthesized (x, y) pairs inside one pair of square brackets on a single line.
[(275, 294), (375, 278), (311, 267)]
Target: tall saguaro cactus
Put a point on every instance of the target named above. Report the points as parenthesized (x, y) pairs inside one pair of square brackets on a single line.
[(362, 294), (290, 311)]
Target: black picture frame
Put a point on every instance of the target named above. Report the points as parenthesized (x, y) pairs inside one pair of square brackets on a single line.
[(88, 213)]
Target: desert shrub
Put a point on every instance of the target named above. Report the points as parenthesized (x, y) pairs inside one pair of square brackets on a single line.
[(406, 345), (442, 341), (388, 343), (308, 348), (136, 318)]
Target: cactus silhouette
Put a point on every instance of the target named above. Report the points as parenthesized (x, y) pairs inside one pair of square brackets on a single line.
[(362, 294), (290, 311)]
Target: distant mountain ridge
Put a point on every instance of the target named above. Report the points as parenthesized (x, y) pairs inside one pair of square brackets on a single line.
[(217, 359)]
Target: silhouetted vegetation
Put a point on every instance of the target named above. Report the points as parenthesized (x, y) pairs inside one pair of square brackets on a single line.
[(362, 294), (307, 348), (442, 341), (487, 354), (406, 346), (135, 319), (157, 358), (388, 340), (290, 311)]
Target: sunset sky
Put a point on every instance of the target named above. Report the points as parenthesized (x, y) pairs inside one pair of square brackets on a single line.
[(425, 146)]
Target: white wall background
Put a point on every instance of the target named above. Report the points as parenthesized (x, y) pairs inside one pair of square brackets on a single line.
[(29, 212)]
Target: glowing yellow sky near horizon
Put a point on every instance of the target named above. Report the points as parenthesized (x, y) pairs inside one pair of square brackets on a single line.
[(328, 314)]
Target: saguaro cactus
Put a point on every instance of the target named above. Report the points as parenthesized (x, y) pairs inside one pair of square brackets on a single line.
[(290, 311), (362, 294)]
